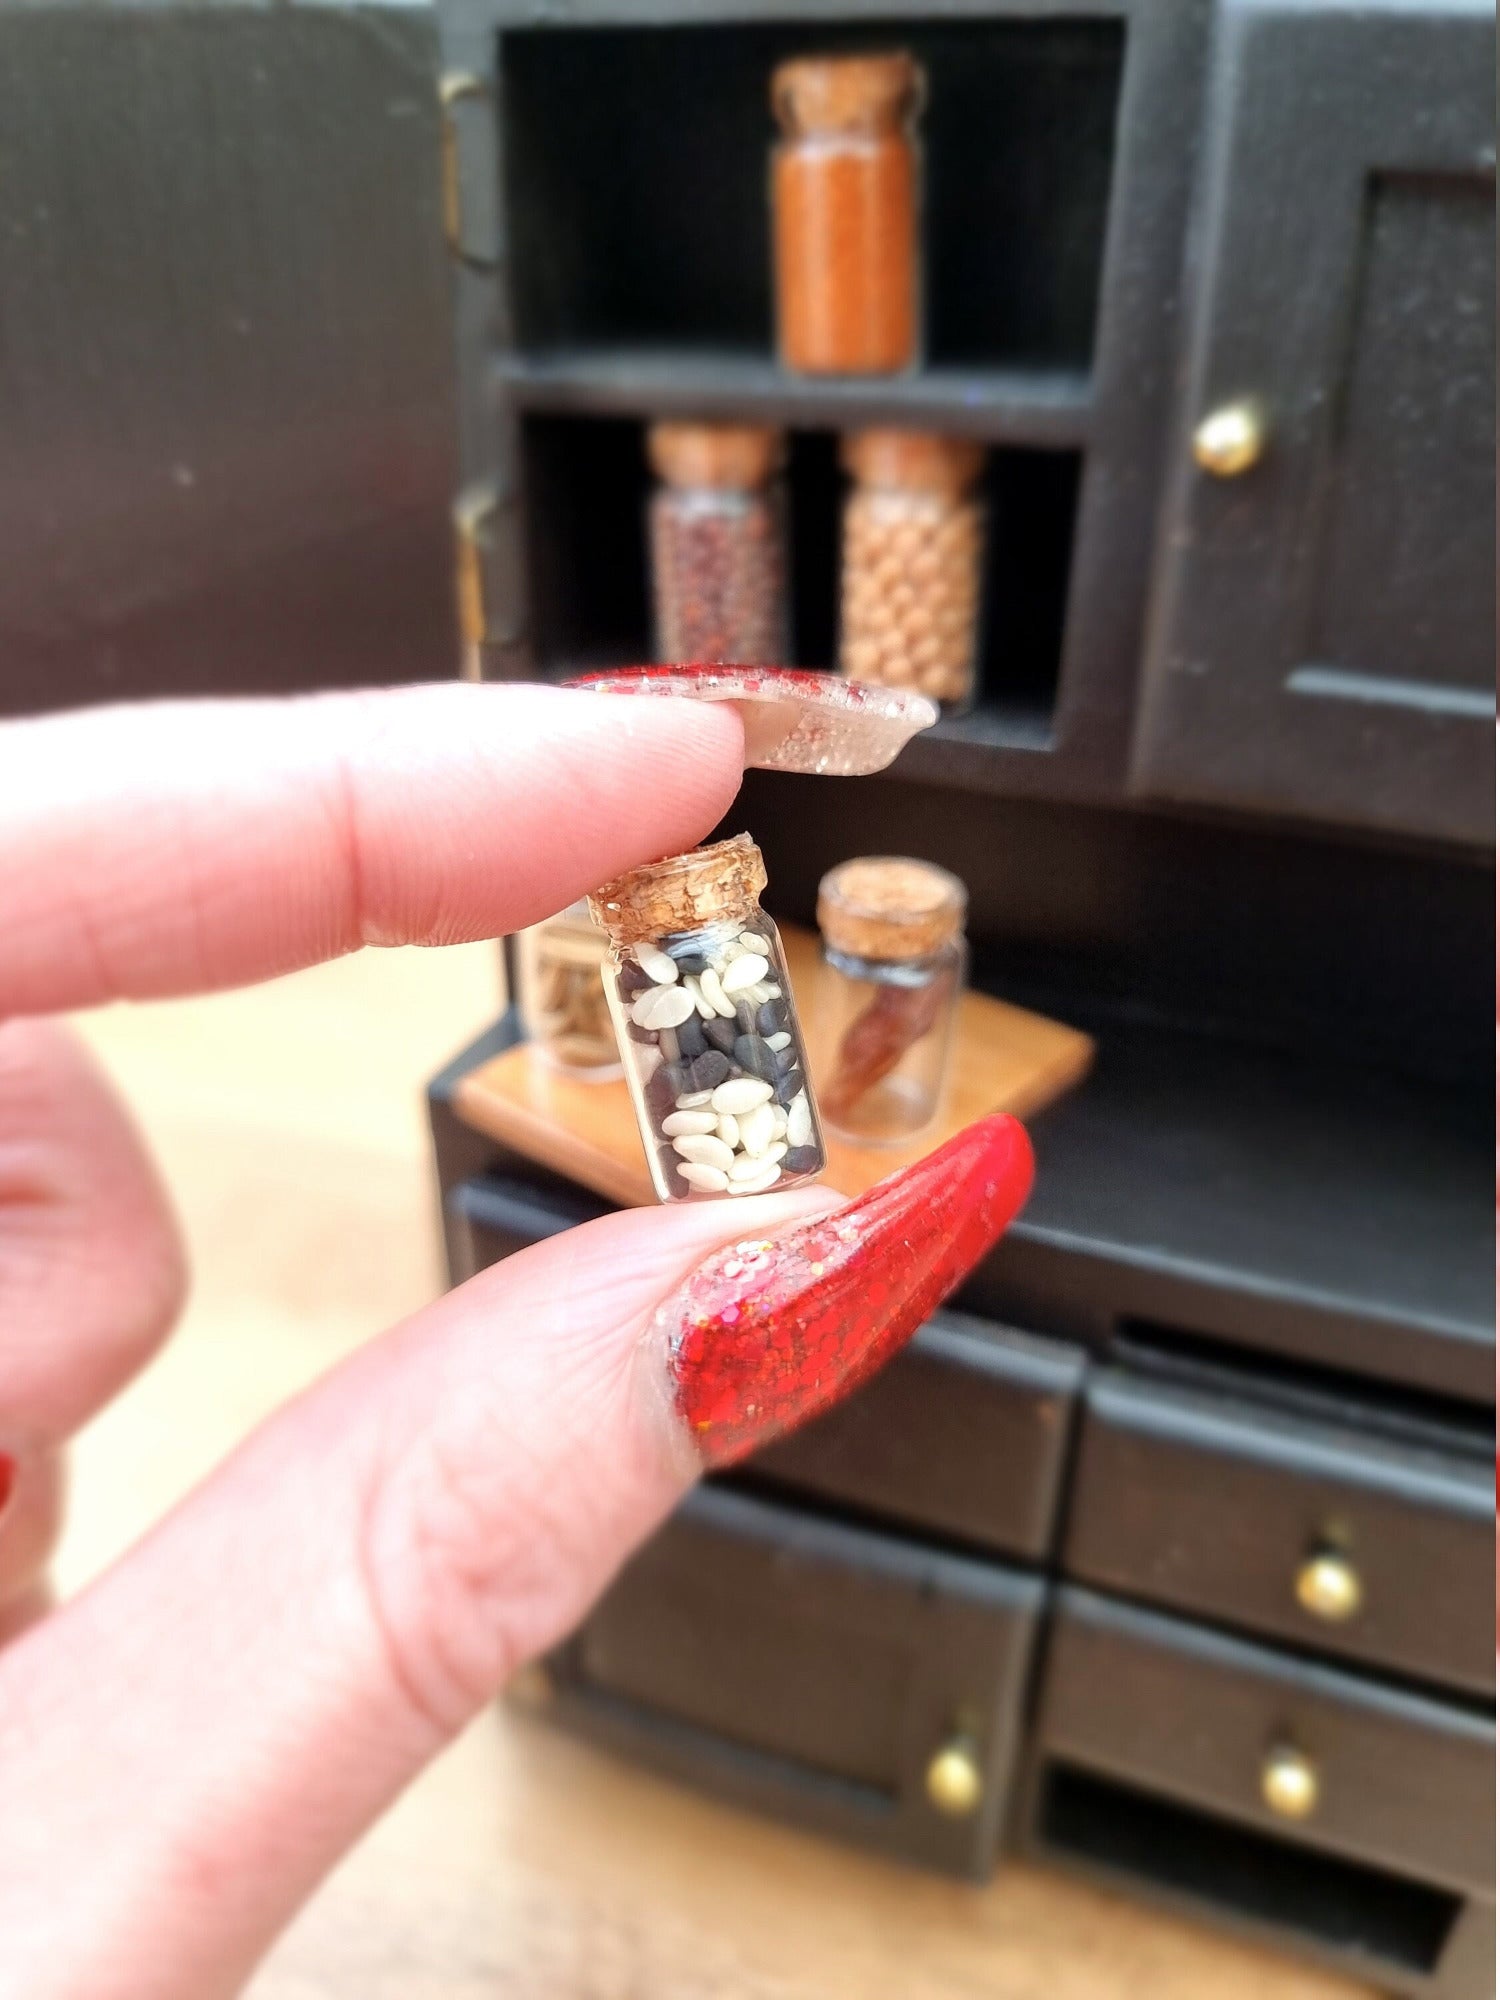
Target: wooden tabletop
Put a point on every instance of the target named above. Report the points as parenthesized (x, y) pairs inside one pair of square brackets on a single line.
[(524, 1866)]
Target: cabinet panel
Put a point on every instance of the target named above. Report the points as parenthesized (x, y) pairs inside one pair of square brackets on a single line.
[(1323, 634)]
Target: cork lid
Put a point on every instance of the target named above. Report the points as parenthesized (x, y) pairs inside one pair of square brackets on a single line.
[(819, 724), (887, 906), (682, 893), (921, 459), (739, 456), (847, 93)]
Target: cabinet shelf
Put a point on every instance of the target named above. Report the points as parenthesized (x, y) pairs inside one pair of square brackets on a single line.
[(1047, 408)]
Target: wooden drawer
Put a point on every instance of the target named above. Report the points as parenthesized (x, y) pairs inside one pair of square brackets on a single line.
[(490, 1216), (840, 1678), (964, 1434), (1401, 1781), (1191, 1500)]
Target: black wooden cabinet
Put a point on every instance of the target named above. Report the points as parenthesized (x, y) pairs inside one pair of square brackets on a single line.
[(1323, 641)]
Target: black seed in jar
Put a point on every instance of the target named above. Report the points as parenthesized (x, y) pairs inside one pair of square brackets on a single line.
[(690, 1040), (785, 1059), (721, 1033), (800, 1160), (632, 978), (787, 1086), (771, 1017), (752, 1055), (709, 1071), (665, 1085), (690, 963), (744, 1016)]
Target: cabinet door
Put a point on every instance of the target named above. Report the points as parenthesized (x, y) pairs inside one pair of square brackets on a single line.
[(1323, 638)]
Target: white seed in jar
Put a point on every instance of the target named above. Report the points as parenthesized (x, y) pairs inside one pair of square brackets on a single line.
[(693, 1100), (705, 1010), (799, 1120), (748, 970), (779, 1113), (758, 1128), (753, 941), (708, 1180), (679, 1124), (662, 1007), (704, 1150), (779, 1042), (656, 964), (740, 1093), (713, 992), (728, 1129), (767, 1177), (751, 1167)]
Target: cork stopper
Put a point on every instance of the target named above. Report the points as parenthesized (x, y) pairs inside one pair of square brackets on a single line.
[(738, 456), (920, 459), (686, 892), (886, 906), (847, 93)]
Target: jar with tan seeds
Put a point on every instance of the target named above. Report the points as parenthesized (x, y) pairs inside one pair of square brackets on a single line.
[(912, 563)]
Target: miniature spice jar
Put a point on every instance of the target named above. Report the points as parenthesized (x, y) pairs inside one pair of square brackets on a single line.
[(560, 988), (718, 556), (912, 561), (844, 187), (702, 1005), (894, 958)]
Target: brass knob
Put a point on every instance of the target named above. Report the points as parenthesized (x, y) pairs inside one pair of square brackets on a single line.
[(955, 1782), (1328, 1586), (1289, 1782), (1230, 440)]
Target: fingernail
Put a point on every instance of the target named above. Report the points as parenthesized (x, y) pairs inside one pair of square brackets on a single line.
[(7, 1482), (771, 1330)]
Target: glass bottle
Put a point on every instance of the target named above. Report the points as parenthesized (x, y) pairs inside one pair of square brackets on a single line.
[(560, 991), (718, 555), (702, 1006), (894, 958), (845, 195), (913, 556)]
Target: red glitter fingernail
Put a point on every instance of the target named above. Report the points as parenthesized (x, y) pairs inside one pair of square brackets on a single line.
[(772, 1330)]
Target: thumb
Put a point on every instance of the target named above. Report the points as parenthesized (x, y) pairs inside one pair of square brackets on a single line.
[(222, 1714)]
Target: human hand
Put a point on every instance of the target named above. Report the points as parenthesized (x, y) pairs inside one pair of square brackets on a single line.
[(191, 1743)]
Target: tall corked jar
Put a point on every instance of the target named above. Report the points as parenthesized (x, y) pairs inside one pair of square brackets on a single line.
[(845, 183), (718, 555), (913, 557), (702, 1005), (894, 958), (561, 994)]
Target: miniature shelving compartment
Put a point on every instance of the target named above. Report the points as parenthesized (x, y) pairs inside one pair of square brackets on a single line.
[(633, 164)]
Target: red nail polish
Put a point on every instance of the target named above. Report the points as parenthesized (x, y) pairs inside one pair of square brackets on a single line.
[(8, 1471), (772, 1330)]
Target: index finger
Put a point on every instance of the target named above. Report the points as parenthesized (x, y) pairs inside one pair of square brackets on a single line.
[(181, 846)]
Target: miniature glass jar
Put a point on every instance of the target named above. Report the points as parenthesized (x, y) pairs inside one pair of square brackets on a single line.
[(913, 552), (844, 182), (560, 989), (702, 1005), (894, 958), (718, 555)]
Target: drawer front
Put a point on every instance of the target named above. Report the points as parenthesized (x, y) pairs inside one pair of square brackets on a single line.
[(490, 1216), (1379, 1552), (836, 1677), (1389, 1778), (964, 1434)]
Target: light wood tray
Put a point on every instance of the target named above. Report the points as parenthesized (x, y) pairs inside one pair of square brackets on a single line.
[(1004, 1059)]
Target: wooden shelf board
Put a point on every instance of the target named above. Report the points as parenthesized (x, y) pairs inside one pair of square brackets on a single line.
[(1005, 1059)]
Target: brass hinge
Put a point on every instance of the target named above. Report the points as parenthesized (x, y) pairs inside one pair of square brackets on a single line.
[(458, 87), (473, 511)]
